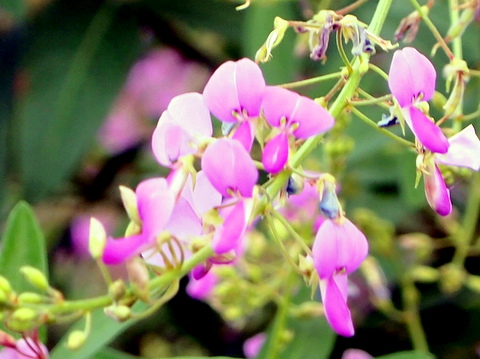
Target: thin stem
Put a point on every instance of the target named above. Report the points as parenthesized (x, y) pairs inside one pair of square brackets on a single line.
[(454, 17), (341, 50), (378, 70), (290, 230), (314, 80), (349, 8), (433, 29), (374, 125)]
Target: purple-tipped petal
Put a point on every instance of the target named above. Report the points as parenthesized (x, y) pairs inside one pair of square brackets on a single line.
[(436, 191), (411, 74), (119, 250), (311, 118), (228, 166), (464, 150), (275, 153), (428, 133), (233, 88), (333, 290), (229, 235), (338, 247)]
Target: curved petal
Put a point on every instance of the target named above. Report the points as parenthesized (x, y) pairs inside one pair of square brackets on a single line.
[(233, 88), (410, 75), (335, 305), (436, 191), (228, 166), (205, 196), (312, 118), (119, 250), (338, 247), (245, 135), (184, 222), (201, 288), (428, 133), (278, 103), (275, 153), (228, 236), (169, 143), (464, 150), (190, 112)]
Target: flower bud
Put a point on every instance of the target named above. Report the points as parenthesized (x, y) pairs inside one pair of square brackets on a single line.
[(119, 313), (30, 298), (408, 28), (425, 274), (264, 54), (97, 239), (5, 285), (452, 278), (22, 319), (117, 290), (129, 200), (35, 277), (76, 339), (457, 29)]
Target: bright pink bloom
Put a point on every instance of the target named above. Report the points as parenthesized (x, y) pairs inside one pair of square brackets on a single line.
[(411, 79), (229, 168), (203, 287), (180, 128), (155, 203), (334, 291), (464, 151), (253, 345), (294, 115), (32, 349), (338, 248)]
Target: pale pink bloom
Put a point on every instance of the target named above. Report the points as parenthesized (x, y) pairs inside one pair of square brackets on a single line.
[(464, 151), (32, 349), (356, 354), (411, 79), (253, 345), (180, 129)]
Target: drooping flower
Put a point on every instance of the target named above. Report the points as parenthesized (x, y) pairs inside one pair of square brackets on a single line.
[(180, 128), (464, 151), (234, 95), (293, 115), (155, 203), (411, 80)]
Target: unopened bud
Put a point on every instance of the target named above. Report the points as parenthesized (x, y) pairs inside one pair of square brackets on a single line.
[(408, 28), (35, 277), (119, 313), (457, 29), (129, 200), (329, 205), (22, 319), (30, 298), (5, 285), (97, 238), (264, 54), (452, 278), (139, 277), (76, 339), (117, 290), (425, 274)]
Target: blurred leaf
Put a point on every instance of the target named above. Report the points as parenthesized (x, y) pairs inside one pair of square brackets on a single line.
[(407, 355), (258, 24), (109, 353), (22, 244), (103, 331), (15, 7), (77, 61)]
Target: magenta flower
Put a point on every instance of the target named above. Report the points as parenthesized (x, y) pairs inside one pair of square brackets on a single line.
[(411, 79), (464, 151), (155, 203), (292, 115), (181, 128), (253, 345), (338, 248), (229, 168), (203, 287), (234, 95), (28, 348)]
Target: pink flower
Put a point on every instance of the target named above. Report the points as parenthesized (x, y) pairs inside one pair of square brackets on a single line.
[(234, 95), (293, 115), (29, 348), (464, 151), (180, 128), (412, 79), (253, 345), (356, 354), (155, 203), (203, 287)]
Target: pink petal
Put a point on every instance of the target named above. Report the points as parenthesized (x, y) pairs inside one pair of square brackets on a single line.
[(228, 166), (119, 250), (338, 247), (169, 143), (155, 204), (428, 133), (410, 75), (464, 150), (335, 304), (275, 153), (279, 103), (253, 345), (233, 88), (205, 196), (201, 288), (436, 191), (184, 222), (356, 354), (228, 236), (245, 134)]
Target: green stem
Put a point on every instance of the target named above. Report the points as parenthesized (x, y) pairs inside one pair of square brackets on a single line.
[(454, 17), (312, 81), (381, 129)]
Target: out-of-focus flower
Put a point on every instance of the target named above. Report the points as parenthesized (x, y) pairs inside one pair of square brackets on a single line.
[(181, 128), (356, 354), (292, 115), (152, 82), (155, 203), (234, 95), (464, 151), (253, 345), (28, 348), (201, 288), (412, 80)]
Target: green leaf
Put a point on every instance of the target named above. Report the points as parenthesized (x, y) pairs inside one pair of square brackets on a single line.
[(109, 353), (77, 63), (408, 355), (16, 8), (23, 244)]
